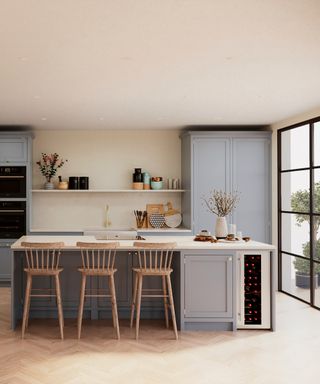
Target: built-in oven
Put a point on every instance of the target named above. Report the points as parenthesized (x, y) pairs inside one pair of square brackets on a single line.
[(13, 182), (12, 219)]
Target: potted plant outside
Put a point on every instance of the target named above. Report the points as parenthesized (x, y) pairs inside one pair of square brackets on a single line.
[(303, 268), (300, 203)]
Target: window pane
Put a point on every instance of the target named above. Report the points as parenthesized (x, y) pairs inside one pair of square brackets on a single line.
[(316, 267), (295, 148), (317, 143), (317, 237), (316, 204), (295, 191), (296, 276), (295, 234)]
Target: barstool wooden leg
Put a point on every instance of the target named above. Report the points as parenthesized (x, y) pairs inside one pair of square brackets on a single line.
[(29, 301), (173, 314), (134, 298), (165, 300), (110, 291), (140, 277), (81, 304), (114, 305), (59, 303), (26, 303)]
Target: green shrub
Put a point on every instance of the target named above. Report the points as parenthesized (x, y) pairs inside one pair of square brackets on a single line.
[(303, 265)]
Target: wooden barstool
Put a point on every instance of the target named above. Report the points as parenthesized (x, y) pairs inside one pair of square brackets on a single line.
[(42, 260), (98, 260), (154, 260)]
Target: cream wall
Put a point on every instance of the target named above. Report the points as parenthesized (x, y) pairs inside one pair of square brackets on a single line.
[(284, 123), (108, 158)]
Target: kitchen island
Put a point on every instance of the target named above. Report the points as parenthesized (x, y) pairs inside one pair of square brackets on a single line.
[(209, 284)]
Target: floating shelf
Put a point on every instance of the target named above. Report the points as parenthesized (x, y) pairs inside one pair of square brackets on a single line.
[(107, 190)]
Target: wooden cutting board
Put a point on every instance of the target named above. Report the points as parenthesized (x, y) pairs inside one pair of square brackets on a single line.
[(152, 209)]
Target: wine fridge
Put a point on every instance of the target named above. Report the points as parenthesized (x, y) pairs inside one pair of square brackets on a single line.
[(253, 302)]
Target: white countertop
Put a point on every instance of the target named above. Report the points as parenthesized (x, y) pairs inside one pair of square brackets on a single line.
[(183, 242), (139, 230)]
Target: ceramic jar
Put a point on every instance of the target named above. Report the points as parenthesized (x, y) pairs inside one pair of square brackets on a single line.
[(221, 229)]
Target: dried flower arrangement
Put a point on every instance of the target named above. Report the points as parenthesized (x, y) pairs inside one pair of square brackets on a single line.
[(49, 165), (221, 203)]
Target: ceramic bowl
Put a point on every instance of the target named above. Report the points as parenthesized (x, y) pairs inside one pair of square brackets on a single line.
[(156, 184)]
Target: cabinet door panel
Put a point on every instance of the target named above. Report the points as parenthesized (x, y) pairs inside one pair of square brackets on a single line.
[(208, 286), (5, 262), (210, 171), (13, 150), (250, 177)]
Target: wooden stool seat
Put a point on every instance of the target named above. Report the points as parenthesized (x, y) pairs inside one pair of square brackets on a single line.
[(98, 260), (153, 272), (97, 272), (42, 260), (154, 260), (43, 272)]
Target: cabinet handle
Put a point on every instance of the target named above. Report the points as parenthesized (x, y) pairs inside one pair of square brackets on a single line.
[(230, 259), (11, 210)]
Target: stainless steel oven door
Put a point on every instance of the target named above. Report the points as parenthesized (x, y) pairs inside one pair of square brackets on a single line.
[(12, 219), (13, 182)]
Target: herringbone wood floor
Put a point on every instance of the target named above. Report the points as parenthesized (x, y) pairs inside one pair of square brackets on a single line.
[(290, 355)]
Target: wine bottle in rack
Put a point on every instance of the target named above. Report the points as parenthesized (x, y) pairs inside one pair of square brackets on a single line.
[(252, 289)]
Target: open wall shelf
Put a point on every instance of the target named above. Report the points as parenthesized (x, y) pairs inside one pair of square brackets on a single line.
[(107, 190)]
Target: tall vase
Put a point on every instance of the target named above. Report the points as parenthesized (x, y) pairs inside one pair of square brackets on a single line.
[(221, 229)]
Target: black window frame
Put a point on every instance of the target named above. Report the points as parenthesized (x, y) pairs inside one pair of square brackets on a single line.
[(311, 213)]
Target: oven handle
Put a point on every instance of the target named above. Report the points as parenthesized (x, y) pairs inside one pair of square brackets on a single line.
[(11, 177), (11, 210)]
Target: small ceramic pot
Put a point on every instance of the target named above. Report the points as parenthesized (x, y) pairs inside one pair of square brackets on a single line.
[(48, 185), (156, 184), (63, 185)]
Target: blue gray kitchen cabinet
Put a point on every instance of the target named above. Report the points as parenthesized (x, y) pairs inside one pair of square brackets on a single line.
[(13, 149), (208, 294), (228, 161), (5, 261), (94, 308)]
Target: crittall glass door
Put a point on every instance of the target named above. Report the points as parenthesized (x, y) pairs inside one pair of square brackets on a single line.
[(299, 211)]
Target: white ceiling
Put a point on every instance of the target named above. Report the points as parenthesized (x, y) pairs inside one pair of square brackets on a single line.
[(157, 63)]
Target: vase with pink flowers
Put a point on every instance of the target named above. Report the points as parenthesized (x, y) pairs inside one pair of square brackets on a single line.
[(48, 165)]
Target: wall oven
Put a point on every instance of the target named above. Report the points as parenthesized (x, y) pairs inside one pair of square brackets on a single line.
[(13, 182), (12, 219)]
